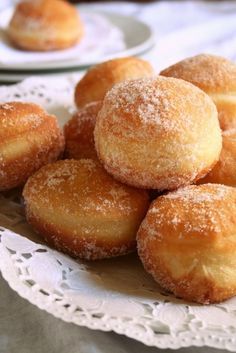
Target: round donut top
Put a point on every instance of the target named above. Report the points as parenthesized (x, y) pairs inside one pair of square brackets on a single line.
[(100, 78), (213, 74), (40, 13), (206, 210), (120, 68), (72, 186), (205, 194), (19, 117), (160, 105)]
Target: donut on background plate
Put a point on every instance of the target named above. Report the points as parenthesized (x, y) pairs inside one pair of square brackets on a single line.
[(45, 25)]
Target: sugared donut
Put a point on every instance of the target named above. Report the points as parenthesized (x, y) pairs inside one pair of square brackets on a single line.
[(100, 78), (187, 242), (45, 25), (224, 171), (81, 210), (214, 75), (79, 132), (157, 133), (29, 138)]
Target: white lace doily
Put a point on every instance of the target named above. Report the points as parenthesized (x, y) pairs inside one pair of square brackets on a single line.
[(107, 295)]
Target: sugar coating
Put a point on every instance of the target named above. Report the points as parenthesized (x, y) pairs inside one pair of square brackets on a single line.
[(202, 213), (154, 133), (224, 172), (88, 113), (154, 100), (82, 210), (85, 185), (7, 106), (230, 133), (195, 195), (29, 138), (187, 242), (13, 114), (211, 73), (155, 105), (79, 132)]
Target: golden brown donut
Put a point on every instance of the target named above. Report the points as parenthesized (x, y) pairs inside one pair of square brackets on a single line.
[(214, 75), (81, 210), (154, 133), (79, 133), (224, 171), (45, 25), (100, 78), (187, 242), (29, 138)]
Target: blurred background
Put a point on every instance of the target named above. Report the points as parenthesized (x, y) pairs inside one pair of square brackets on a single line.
[(179, 28)]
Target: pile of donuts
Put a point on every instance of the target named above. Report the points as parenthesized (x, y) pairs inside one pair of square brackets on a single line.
[(147, 161)]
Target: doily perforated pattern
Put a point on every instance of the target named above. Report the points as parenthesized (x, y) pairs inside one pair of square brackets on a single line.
[(107, 295)]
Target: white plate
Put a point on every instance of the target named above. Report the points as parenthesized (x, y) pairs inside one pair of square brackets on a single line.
[(118, 36)]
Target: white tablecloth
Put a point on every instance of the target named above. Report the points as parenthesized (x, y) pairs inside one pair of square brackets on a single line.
[(182, 29)]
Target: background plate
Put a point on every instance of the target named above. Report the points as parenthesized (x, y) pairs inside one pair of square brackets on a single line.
[(137, 36)]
